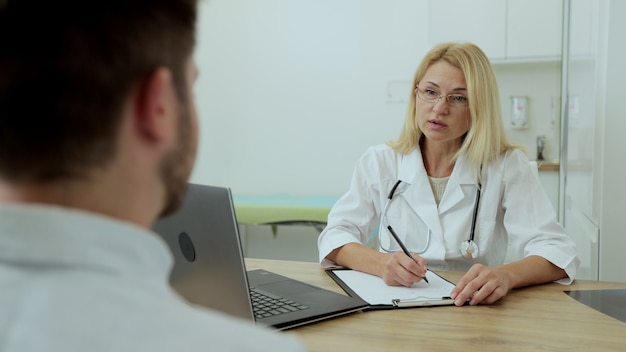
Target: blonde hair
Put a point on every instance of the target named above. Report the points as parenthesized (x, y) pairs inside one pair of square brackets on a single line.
[(486, 138)]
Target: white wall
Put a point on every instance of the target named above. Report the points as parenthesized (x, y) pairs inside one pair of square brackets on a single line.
[(291, 92)]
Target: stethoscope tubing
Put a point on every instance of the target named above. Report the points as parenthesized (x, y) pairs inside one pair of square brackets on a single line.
[(465, 245)]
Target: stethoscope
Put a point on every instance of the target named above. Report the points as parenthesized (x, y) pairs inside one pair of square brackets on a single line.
[(468, 249)]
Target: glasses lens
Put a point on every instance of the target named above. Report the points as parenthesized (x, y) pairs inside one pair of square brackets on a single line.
[(430, 95), (457, 100)]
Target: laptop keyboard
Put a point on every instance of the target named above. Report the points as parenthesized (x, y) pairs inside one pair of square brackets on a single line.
[(266, 304)]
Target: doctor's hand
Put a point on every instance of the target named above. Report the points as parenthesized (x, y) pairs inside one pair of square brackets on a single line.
[(481, 285), (400, 270)]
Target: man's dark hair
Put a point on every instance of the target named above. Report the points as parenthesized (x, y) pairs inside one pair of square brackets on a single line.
[(65, 69)]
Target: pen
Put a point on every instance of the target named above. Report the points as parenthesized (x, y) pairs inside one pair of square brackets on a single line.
[(406, 251)]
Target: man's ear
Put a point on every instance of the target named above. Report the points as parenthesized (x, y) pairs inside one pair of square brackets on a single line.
[(154, 105)]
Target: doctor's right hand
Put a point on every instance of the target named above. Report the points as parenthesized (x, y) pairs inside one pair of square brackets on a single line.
[(400, 270)]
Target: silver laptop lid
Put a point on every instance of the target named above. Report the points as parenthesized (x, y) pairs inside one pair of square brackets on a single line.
[(209, 268)]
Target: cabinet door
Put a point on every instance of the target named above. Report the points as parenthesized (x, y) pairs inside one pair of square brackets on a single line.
[(583, 15), (534, 28), (580, 183), (586, 234), (481, 22)]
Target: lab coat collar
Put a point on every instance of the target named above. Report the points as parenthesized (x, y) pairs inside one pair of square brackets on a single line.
[(412, 172), (460, 185)]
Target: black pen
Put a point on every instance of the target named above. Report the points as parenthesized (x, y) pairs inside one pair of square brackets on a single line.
[(406, 251)]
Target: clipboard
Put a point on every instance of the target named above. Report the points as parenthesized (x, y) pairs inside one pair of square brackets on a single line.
[(373, 290)]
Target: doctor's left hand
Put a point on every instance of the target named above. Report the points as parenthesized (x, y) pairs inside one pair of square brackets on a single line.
[(481, 285)]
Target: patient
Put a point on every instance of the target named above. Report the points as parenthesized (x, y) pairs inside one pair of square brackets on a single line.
[(98, 136)]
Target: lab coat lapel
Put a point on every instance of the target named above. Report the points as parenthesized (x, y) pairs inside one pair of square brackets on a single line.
[(417, 190), (460, 185)]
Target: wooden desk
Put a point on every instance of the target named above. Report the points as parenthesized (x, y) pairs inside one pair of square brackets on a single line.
[(539, 318)]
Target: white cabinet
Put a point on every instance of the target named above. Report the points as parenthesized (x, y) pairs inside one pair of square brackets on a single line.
[(481, 22), (534, 28), (583, 24), (504, 29)]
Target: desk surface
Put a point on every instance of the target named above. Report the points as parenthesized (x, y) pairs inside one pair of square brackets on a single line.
[(539, 318)]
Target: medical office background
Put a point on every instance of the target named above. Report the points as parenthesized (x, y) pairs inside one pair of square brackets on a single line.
[(291, 93)]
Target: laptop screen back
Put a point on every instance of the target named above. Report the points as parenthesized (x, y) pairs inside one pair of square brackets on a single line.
[(209, 269)]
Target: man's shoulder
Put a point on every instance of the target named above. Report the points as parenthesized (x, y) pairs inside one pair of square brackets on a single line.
[(207, 329), (128, 319), (167, 322), (97, 310)]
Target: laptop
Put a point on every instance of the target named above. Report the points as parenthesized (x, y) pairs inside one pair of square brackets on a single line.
[(209, 268)]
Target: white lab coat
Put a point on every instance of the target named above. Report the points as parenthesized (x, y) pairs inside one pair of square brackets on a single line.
[(514, 210)]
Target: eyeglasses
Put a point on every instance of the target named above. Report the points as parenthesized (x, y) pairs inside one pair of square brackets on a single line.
[(430, 95)]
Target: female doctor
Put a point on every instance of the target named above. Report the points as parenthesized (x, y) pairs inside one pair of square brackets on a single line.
[(454, 191)]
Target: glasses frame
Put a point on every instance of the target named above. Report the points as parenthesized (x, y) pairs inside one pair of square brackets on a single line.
[(449, 99)]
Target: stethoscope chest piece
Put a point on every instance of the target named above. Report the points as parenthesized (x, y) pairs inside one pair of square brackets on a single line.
[(469, 249)]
